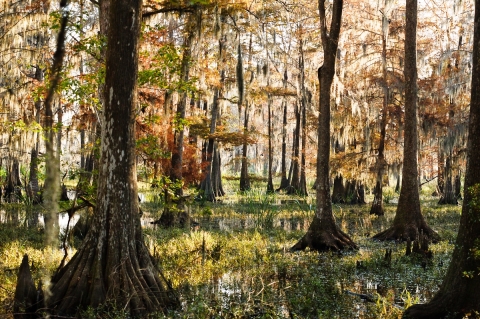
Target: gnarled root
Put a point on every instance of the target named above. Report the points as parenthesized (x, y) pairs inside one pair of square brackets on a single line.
[(324, 237), (412, 231)]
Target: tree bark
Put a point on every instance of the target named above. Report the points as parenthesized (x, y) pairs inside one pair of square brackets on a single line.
[(113, 267), (409, 222), (323, 233), (458, 295)]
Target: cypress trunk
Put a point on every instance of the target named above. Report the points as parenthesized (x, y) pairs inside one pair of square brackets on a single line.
[(270, 150), (409, 222), (113, 267), (323, 233), (458, 296), (284, 183)]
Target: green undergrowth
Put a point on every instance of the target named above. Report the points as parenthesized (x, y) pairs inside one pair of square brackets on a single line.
[(248, 271), (237, 263)]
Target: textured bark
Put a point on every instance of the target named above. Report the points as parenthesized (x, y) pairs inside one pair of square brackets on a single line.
[(323, 233), (458, 294), (113, 267), (409, 222)]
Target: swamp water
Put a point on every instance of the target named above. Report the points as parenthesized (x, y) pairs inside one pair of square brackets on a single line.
[(239, 266)]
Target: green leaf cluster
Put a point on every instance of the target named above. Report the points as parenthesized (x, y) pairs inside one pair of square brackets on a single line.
[(165, 71)]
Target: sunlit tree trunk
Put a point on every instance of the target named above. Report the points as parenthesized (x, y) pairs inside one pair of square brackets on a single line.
[(52, 164), (113, 267)]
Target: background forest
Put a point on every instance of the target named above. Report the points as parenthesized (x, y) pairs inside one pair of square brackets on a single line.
[(243, 77), (226, 107)]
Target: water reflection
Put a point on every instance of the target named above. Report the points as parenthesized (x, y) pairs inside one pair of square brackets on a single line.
[(17, 216)]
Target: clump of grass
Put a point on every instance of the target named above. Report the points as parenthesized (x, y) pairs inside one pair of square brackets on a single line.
[(43, 261)]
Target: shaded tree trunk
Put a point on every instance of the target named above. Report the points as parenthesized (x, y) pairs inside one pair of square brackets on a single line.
[(338, 195), (302, 186), (113, 267), (210, 187), (209, 192), (458, 186), (295, 165), (323, 233), (270, 148), (13, 189), (448, 196), (380, 166), (441, 172), (192, 24), (26, 301), (33, 188), (284, 183), (355, 193), (458, 296), (217, 172), (409, 222), (244, 178)]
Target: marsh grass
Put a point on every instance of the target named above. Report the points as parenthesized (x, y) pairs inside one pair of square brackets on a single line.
[(237, 264)]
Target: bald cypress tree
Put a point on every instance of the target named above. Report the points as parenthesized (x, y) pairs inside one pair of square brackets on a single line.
[(458, 296), (323, 233), (113, 267), (409, 222)]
